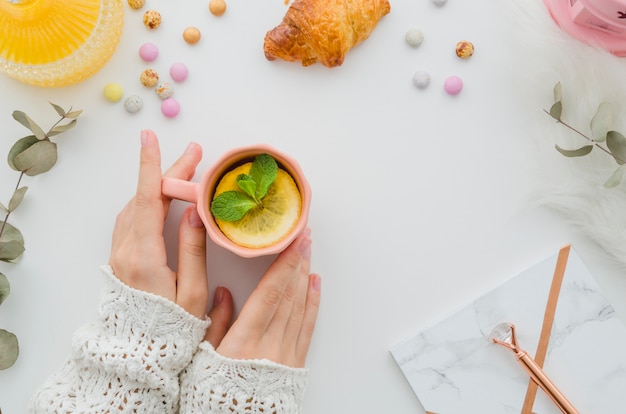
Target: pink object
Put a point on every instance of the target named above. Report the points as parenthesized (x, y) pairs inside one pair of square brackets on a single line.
[(453, 85), (170, 107), (179, 72), (600, 23), (148, 52), (201, 193)]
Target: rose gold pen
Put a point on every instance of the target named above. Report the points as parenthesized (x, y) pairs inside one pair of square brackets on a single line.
[(504, 334)]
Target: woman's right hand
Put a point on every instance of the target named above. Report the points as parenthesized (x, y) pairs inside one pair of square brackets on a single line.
[(278, 319)]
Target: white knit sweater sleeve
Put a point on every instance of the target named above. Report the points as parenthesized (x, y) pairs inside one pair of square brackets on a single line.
[(218, 385), (128, 361)]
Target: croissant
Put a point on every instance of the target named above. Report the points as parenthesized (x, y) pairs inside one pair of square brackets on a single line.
[(323, 30)]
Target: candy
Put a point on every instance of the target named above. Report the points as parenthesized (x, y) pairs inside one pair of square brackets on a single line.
[(149, 78), (217, 7), (148, 52), (164, 90), (414, 37), (464, 49), (113, 92), (152, 19), (136, 4), (133, 104), (439, 3), (179, 72), (192, 35), (170, 107), (453, 85), (421, 79)]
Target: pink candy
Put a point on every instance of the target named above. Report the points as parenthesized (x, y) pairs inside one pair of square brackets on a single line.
[(179, 72), (170, 107), (148, 52), (453, 85)]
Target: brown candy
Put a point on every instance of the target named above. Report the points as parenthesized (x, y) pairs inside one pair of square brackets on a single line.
[(464, 49), (152, 19)]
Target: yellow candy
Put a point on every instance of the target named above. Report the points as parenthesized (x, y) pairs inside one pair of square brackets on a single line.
[(113, 92)]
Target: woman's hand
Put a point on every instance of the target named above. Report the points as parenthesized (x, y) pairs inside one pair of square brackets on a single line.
[(278, 319), (138, 257)]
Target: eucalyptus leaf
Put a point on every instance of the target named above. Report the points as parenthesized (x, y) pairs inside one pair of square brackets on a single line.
[(11, 244), (575, 153), (25, 120), (5, 288), (59, 110), (263, 171), (601, 122), (617, 145), (247, 184), (18, 196), (556, 110), (231, 205), (20, 145), (59, 129), (3, 208), (73, 114), (616, 178), (558, 92), (37, 159), (9, 349)]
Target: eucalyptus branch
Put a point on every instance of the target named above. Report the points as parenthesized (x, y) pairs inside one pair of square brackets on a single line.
[(32, 155), (591, 140)]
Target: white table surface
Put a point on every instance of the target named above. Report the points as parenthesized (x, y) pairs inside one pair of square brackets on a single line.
[(420, 200)]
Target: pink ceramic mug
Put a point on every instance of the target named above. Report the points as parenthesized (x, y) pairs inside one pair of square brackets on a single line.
[(202, 193)]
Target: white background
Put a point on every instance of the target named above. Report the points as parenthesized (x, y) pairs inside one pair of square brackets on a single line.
[(421, 200)]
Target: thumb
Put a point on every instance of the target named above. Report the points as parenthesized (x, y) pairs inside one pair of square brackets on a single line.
[(221, 315), (192, 285)]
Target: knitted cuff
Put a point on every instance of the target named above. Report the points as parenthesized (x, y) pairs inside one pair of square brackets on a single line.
[(149, 338), (216, 384)]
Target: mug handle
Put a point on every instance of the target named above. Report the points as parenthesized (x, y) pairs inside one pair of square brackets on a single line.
[(180, 189)]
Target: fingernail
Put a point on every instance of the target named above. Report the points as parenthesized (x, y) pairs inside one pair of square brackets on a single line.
[(305, 247), (219, 295), (145, 136), (190, 148), (194, 218), (316, 283)]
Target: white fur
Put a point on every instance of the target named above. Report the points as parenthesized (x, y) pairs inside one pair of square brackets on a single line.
[(544, 55)]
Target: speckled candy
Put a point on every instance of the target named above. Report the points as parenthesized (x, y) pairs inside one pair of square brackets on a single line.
[(148, 52), (149, 78), (414, 37), (179, 72), (421, 79), (113, 92), (453, 85), (464, 49), (170, 107), (136, 4), (152, 19), (133, 104), (164, 90)]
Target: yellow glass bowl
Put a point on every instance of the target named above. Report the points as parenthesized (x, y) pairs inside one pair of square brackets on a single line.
[(57, 42)]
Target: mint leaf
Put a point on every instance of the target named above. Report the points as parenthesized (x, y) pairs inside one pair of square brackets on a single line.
[(263, 171), (247, 184), (231, 205)]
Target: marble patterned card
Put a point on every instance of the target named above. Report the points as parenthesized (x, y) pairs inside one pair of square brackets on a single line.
[(454, 368)]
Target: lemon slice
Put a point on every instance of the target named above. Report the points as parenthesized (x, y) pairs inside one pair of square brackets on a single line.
[(261, 227), (57, 42)]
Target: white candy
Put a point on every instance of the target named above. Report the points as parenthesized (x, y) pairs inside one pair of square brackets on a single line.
[(133, 104), (421, 79), (414, 37)]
